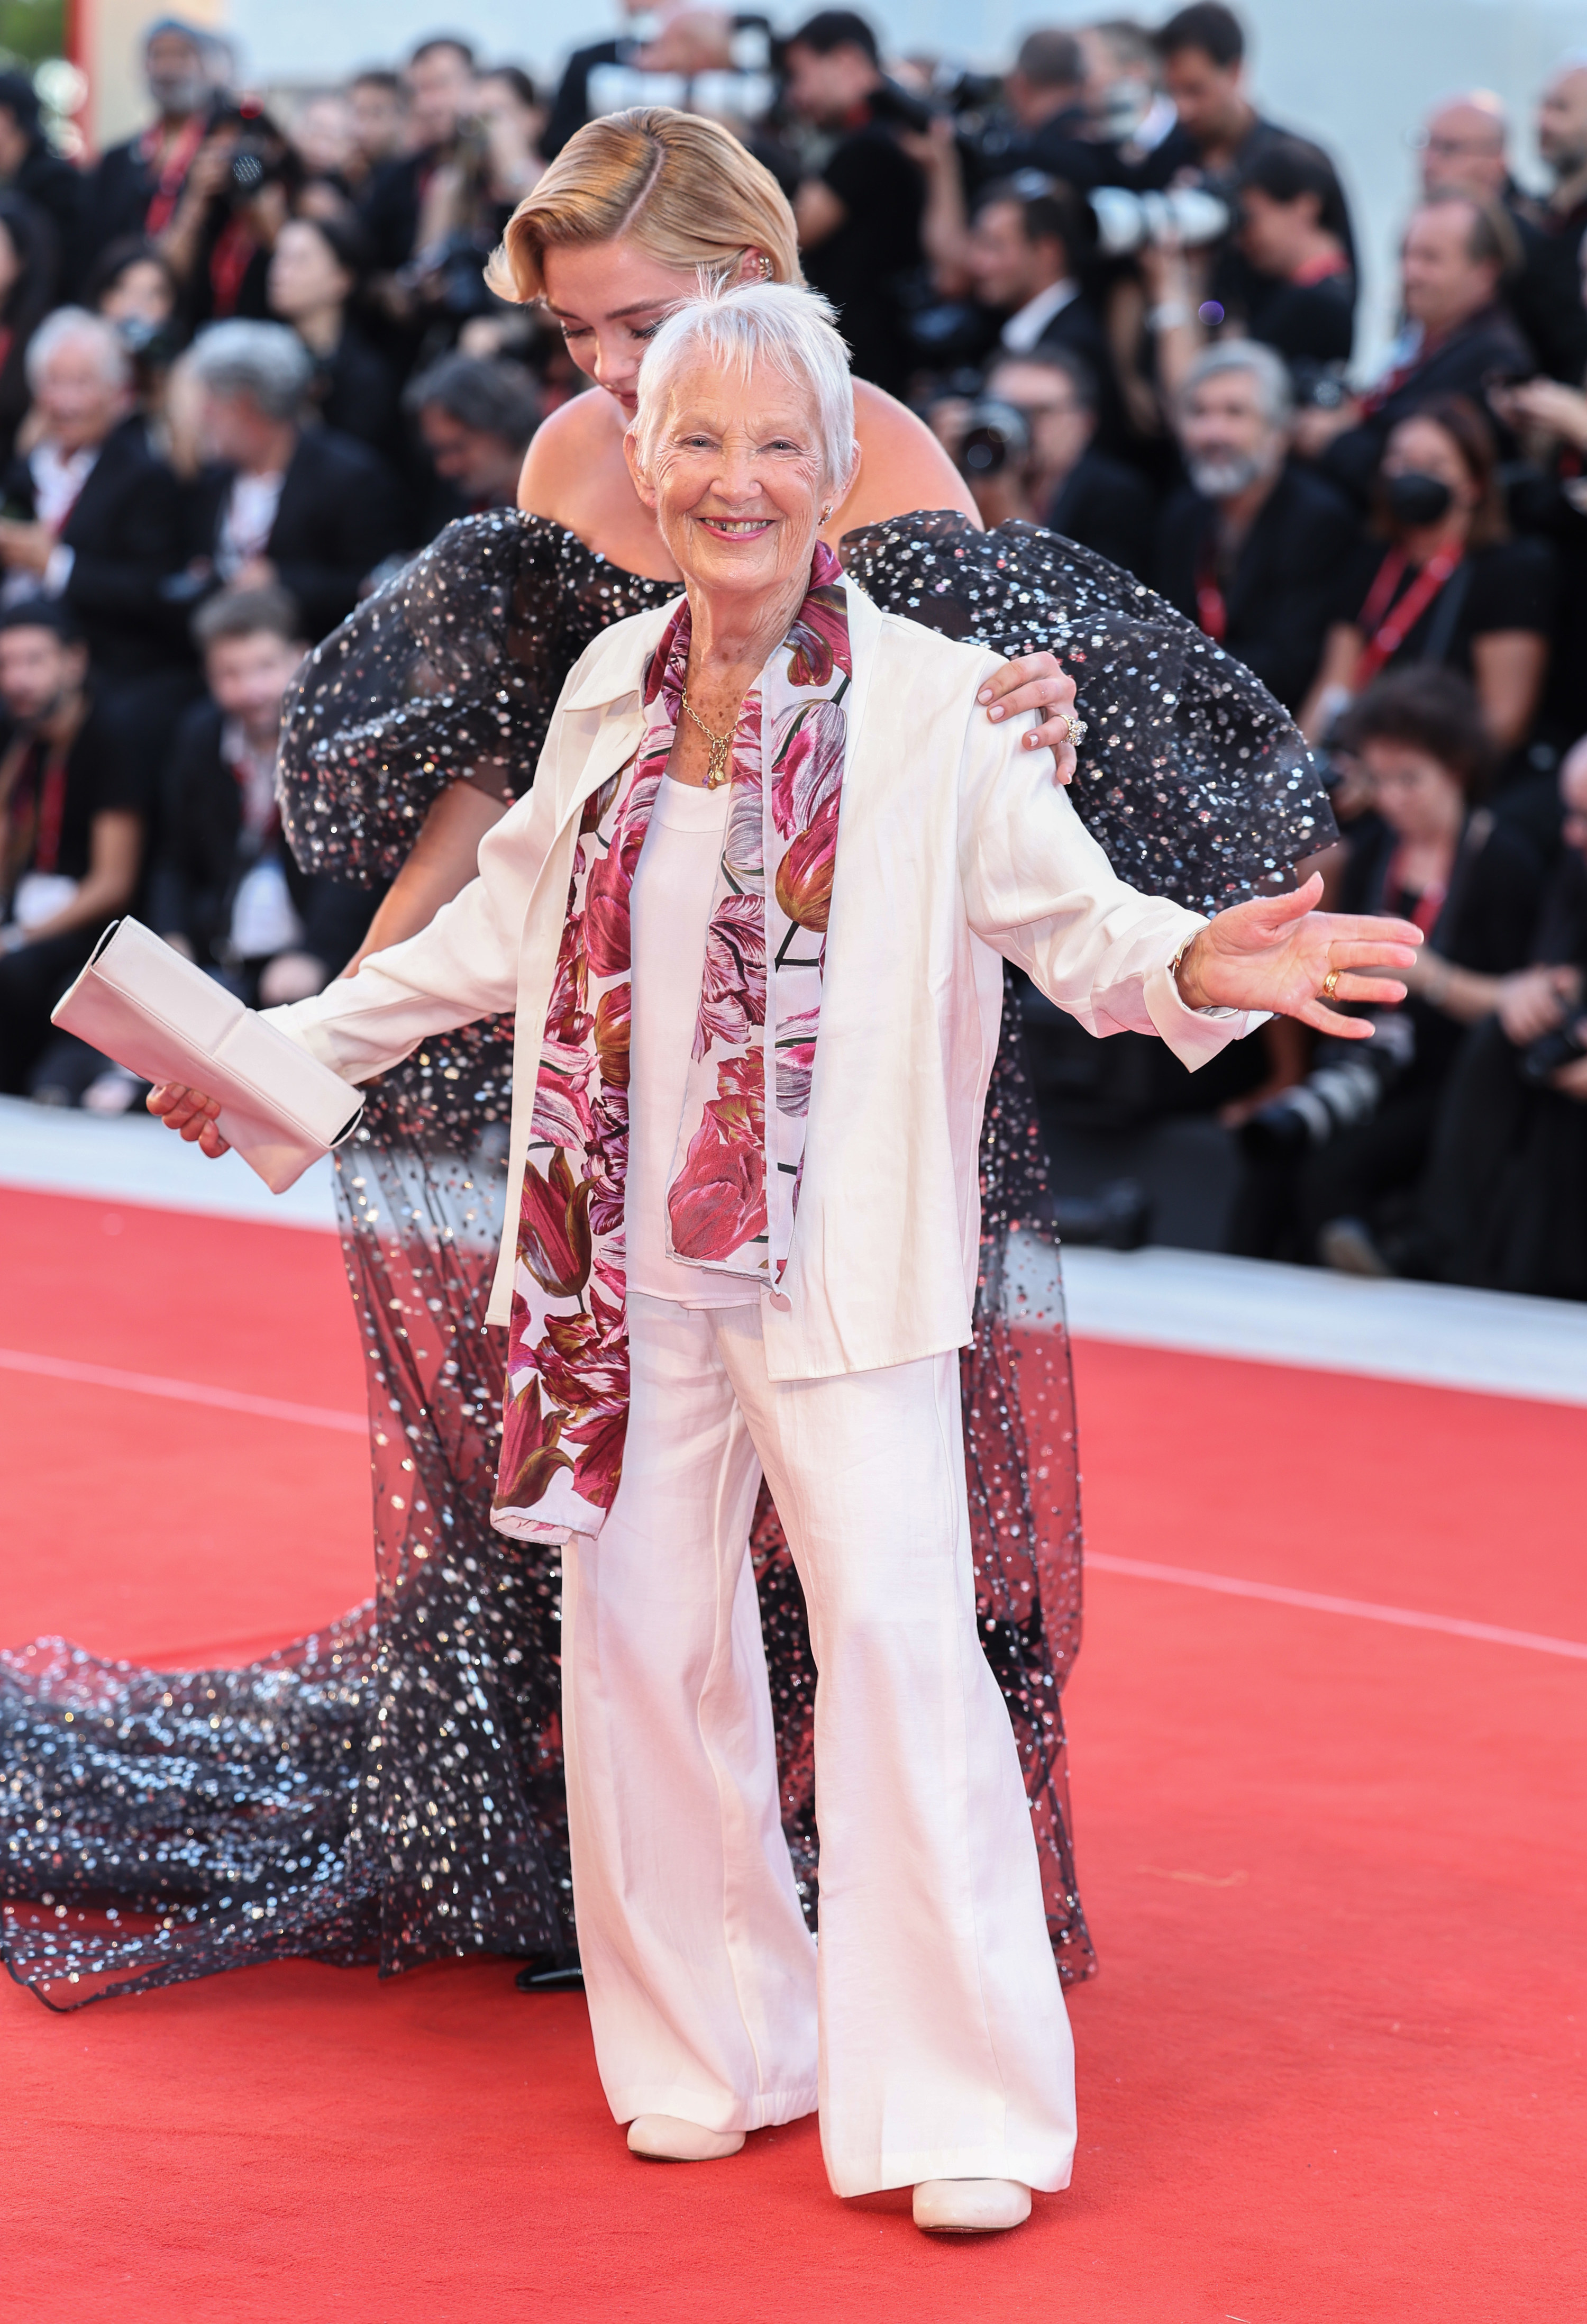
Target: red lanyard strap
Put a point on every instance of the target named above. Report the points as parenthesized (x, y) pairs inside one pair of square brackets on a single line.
[(1212, 612), (52, 812), (168, 188), (1386, 631)]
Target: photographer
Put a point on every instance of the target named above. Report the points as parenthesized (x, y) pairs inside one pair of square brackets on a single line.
[(1504, 1201), (1444, 582), (1252, 548), (236, 199), (1304, 296), (860, 215), (1332, 1163), (1458, 339), (1044, 122), (1059, 477), (137, 186)]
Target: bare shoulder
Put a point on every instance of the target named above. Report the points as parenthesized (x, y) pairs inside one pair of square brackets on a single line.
[(571, 443), (902, 466)]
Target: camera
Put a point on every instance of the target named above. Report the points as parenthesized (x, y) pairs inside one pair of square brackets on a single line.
[(1127, 222), (996, 437), (1318, 386), (1340, 1094), (1551, 1052)]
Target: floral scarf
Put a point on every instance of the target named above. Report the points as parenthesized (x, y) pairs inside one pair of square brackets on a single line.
[(736, 1170)]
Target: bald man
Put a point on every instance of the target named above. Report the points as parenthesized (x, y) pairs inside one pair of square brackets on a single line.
[(1465, 151)]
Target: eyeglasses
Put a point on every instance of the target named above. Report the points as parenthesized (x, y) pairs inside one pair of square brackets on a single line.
[(1454, 149)]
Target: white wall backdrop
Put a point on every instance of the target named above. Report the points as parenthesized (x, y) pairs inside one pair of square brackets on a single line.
[(1356, 73)]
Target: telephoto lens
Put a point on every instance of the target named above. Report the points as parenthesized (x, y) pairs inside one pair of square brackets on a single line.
[(996, 437)]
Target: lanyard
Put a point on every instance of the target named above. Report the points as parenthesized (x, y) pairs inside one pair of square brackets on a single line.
[(1386, 632), (52, 809), (168, 187), (1211, 611)]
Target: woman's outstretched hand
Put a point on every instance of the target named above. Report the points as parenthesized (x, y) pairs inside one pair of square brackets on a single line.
[(1038, 682), (1278, 952), (192, 1113)]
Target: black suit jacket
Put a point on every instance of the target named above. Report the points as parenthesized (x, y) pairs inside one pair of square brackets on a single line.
[(203, 853), (337, 518), (125, 533), (1491, 346), (1279, 598), (1108, 507)]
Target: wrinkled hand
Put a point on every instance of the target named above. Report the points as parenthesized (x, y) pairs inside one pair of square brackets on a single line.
[(1038, 682), (1275, 952), (1533, 1001), (190, 1112)]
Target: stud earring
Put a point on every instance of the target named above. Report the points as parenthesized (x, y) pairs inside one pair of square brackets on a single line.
[(766, 268)]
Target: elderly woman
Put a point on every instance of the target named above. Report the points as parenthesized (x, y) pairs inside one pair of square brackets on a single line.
[(750, 923)]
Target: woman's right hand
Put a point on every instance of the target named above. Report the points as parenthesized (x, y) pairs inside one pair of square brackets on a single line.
[(190, 1112)]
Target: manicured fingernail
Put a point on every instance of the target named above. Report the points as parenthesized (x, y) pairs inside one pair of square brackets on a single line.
[(997, 710), (985, 695)]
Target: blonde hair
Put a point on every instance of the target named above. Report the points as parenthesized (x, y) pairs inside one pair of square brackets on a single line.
[(681, 189)]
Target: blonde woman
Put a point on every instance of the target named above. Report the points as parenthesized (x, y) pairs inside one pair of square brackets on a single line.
[(438, 1821)]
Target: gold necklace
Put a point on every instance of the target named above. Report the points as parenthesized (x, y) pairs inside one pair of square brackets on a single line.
[(716, 772)]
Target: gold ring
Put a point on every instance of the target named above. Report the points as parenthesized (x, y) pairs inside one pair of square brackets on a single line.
[(1330, 985)]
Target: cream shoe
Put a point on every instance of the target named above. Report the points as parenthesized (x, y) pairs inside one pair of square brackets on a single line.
[(663, 2138), (971, 2207)]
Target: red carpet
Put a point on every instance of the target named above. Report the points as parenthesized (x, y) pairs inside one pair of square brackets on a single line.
[(1331, 2072)]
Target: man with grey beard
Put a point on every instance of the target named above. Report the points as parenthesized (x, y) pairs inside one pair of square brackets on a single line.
[(1253, 548)]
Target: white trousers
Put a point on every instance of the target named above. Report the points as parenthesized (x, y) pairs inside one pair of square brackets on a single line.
[(931, 2028)]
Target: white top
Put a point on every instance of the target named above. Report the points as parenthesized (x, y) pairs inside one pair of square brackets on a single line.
[(1022, 330), (669, 913), (246, 522), (958, 846)]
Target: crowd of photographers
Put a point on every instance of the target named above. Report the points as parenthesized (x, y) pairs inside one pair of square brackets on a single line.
[(248, 364)]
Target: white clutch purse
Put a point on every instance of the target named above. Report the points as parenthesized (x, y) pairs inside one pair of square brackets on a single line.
[(158, 1014)]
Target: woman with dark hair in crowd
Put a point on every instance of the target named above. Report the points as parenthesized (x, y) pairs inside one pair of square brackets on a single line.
[(27, 275), (1293, 232), (315, 271), (416, 727), (1328, 1160), (1444, 582), (131, 284)]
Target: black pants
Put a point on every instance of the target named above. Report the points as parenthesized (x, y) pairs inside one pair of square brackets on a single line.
[(32, 981), (1504, 1201)]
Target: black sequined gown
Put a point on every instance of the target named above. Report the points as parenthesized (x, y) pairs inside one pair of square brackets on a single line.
[(390, 1791)]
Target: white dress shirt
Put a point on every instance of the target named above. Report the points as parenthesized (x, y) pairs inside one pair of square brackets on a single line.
[(1022, 330)]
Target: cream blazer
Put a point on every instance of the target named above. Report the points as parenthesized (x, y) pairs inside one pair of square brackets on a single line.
[(956, 850)]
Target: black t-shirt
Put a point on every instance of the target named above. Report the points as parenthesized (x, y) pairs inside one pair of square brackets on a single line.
[(1509, 586), (1485, 924), (105, 771), (857, 267), (1307, 322)]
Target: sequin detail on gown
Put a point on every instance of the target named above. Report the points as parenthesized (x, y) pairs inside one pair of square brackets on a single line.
[(390, 1791)]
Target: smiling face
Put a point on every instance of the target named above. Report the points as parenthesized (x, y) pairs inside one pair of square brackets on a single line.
[(735, 475), (608, 298)]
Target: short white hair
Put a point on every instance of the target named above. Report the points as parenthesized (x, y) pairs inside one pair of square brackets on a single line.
[(266, 361), (68, 323), (1268, 370), (738, 326)]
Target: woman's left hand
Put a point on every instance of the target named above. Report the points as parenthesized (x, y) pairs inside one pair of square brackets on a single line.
[(1278, 952), (1038, 682)]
